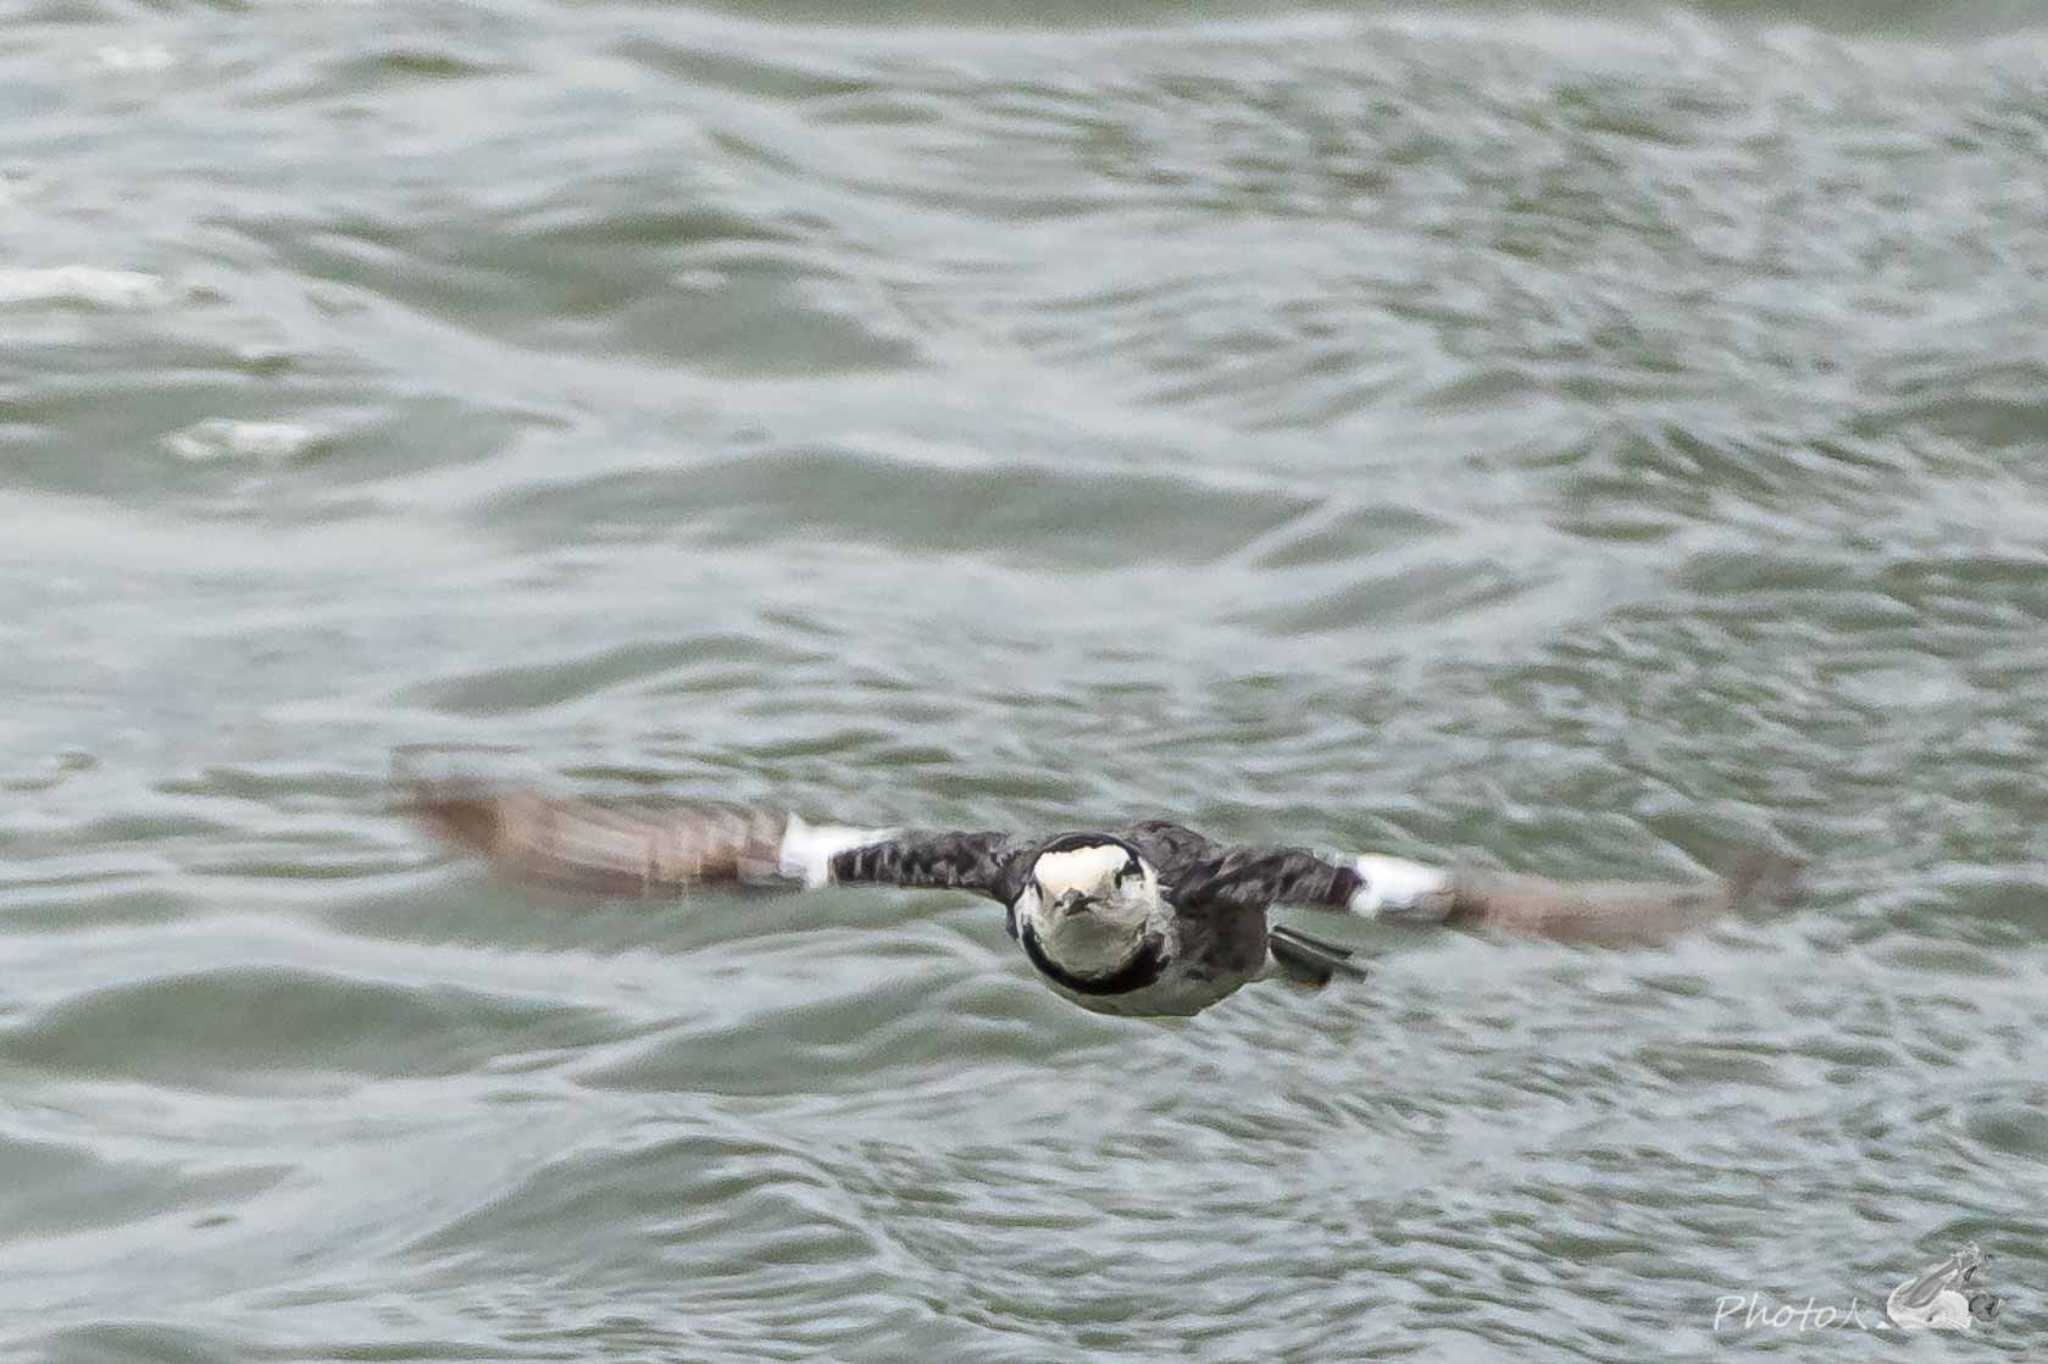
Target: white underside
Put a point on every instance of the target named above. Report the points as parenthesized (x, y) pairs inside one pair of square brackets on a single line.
[(808, 849), (1394, 883), (1089, 944)]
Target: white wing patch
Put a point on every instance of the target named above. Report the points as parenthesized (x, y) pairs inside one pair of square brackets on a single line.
[(808, 849), (1394, 883)]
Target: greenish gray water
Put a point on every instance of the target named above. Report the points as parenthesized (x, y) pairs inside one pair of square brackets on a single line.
[(1582, 443)]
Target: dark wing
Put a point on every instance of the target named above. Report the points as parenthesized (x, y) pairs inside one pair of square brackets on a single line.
[(1254, 878), (619, 851), (984, 863)]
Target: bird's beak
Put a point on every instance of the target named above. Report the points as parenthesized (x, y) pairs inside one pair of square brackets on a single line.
[(1073, 902)]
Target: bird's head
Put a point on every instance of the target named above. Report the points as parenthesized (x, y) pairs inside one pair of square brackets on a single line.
[(1088, 903)]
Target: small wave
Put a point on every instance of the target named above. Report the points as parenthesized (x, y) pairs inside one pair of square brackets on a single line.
[(1056, 518), (84, 285), (55, 1188), (254, 1028)]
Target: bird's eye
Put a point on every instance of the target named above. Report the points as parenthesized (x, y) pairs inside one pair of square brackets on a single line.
[(1128, 870)]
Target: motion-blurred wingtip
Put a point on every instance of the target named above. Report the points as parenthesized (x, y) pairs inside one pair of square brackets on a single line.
[(471, 822), (1622, 913), (1759, 876), (453, 803)]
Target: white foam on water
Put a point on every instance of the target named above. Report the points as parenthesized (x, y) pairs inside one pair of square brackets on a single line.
[(701, 280), (123, 289), (219, 438), (141, 58)]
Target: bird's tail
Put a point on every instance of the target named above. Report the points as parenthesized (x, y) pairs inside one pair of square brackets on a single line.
[(1310, 961)]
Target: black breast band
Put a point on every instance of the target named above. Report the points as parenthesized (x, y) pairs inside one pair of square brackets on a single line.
[(1136, 974)]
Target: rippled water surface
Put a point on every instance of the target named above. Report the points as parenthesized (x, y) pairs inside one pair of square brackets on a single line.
[(1585, 442)]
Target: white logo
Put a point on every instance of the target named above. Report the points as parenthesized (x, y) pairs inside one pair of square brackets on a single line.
[(1948, 1296), (1945, 1296)]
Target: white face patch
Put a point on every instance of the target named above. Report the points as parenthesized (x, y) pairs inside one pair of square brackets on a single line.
[(1099, 939), (1394, 883), (808, 849), (1091, 871)]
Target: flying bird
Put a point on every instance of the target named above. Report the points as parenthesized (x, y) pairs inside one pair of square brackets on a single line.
[(1149, 918)]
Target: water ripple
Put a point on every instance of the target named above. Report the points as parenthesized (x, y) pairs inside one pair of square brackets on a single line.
[(1587, 444)]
